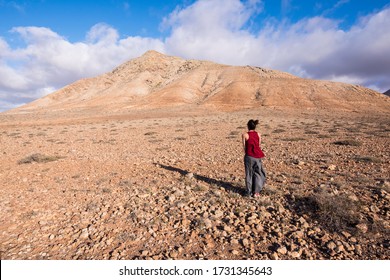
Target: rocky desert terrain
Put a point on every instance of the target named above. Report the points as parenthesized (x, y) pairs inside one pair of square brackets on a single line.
[(171, 188), (80, 182)]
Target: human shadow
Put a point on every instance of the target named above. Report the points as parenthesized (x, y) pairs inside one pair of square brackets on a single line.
[(228, 186)]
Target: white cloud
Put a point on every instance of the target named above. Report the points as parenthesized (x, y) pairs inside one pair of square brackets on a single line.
[(314, 47), (49, 61), (214, 30)]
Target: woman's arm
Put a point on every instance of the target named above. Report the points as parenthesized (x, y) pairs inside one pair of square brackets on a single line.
[(259, 138), (245, 137)]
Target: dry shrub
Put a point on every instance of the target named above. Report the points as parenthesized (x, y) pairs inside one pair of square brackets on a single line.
[(200, 188), (368, 159), (336, 213), (150, 133), (348, 142), (311, 132), (293, 139), (39, 158)]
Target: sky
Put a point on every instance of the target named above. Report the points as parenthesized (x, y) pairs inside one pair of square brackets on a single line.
[(48, 44)]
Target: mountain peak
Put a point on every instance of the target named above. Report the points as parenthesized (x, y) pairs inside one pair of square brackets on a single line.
[(152, 53)]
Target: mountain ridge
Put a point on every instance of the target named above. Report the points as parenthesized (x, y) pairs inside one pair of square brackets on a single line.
[(155, 80)]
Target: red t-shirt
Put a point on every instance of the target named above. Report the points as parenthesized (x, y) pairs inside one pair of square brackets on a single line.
[(252, 147)]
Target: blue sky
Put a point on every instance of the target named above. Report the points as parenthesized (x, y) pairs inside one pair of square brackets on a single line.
[(47, 44)]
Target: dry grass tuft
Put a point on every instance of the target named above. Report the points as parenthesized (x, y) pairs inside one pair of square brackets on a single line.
[(368, 159), (39, 158), (336, 213), (348, 142)]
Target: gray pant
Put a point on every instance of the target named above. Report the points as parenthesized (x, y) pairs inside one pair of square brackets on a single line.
[(254, 175)]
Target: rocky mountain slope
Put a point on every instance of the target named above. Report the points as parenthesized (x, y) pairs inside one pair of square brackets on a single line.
[(155, 80)]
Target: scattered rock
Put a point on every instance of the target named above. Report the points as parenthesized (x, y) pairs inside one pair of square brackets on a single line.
[(282, 250), (331, 245), (332, 167), (235, 252), (174, 254), (363, 228), (208, 223), (84, 234), (274, 256)]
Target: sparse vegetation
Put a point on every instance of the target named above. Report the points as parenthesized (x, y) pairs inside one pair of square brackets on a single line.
[(335, 212), (293, 139), (150, 133), (39, 158), (311, 132), (348, 142), (368, 159)]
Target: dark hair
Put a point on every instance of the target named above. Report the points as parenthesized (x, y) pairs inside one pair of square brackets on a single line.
[(252, 124)]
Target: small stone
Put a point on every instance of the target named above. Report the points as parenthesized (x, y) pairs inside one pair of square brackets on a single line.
[(190, 175), (332, 167), (218, 214), (346, 234), (208, 223), (282, 250), (299, 234), (274, 256), (145, 253), (281, 209), (181, 205), (349, 247), (353, 197), (302, 220), (295, 254), (185, 222), (235, 252), (362, 227), (331, 245), (227, 228), (259, 228), (84, 234), (374, 209), (234, 241), (173, 254), (245, 242), (340, 249), (358, 249)]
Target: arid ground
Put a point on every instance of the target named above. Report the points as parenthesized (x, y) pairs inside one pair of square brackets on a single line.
[(155, 186)]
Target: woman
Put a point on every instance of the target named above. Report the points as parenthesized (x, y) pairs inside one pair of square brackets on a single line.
[(254, 172)]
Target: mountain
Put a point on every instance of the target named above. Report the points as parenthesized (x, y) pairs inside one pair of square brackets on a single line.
[(155, 81), (387, 93)]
